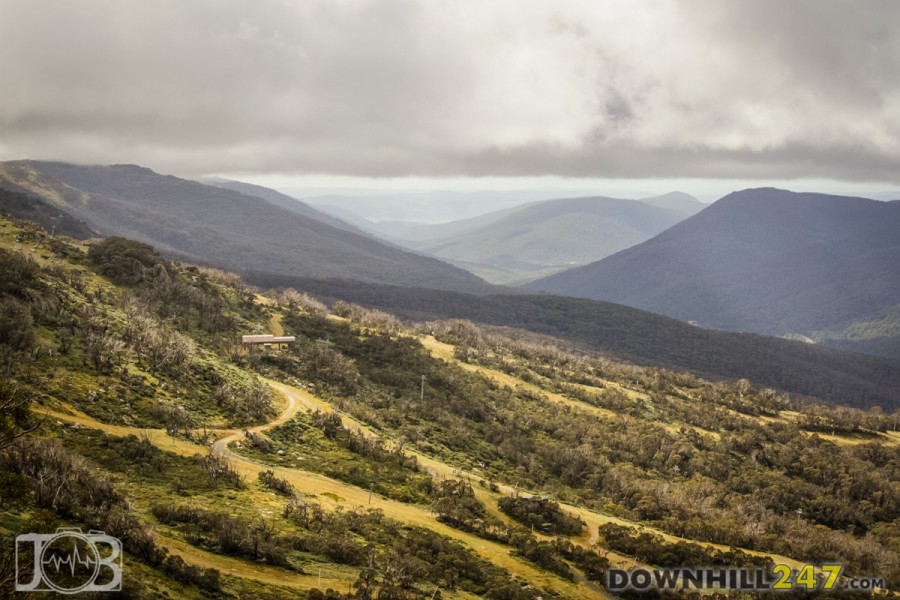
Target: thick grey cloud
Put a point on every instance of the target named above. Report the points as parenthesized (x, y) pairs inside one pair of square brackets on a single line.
[(731, 88)]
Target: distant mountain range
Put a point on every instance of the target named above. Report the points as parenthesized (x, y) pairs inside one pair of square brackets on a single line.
[(525, 242), (812, 266), (223, 227)]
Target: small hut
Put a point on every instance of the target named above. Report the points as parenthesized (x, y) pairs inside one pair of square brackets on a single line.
[(267, 341)]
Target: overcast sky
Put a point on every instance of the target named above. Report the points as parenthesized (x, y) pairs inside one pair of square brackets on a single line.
[(766, 90)]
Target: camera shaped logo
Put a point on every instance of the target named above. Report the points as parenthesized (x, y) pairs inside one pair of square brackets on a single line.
[(68, 562)]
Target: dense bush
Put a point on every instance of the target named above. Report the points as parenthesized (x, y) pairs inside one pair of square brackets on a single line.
[(219, 470), (16, 325), (540, 513), (18, 272), (15, 417), (126, 261), (225, 533), (652, 549)]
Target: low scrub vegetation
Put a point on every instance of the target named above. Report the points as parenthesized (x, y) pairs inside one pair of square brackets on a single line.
[(137, 341)]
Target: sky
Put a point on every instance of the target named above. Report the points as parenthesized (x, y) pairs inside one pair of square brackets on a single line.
[(638, 96)]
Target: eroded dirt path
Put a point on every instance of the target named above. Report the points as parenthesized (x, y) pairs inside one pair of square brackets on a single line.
[(329, 492)]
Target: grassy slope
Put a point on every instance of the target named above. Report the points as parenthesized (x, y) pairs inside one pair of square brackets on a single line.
[(341, 494), (29, 208), (332, 492), (57, 407), (592, 518), (335, 493)]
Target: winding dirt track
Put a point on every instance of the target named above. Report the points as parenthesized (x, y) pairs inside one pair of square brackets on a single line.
[(330, 492), (290, 411)]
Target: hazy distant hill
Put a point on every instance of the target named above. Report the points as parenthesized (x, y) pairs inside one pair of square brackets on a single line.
[(769, 261), (435, 206), (526, 242), (677, 201), (222, 227), (348, 216)]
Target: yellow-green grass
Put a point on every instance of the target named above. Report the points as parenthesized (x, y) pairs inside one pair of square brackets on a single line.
[(275, 326)]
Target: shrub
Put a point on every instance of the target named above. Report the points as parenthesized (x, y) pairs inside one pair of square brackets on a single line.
[(281, 486), (126, 261), (541, 513)]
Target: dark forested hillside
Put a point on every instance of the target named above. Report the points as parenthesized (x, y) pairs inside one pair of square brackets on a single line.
[(763, 260), (644, 338), (220, 227), (51, 218)]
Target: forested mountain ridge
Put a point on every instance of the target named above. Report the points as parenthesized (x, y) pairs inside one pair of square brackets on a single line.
[(343, 473), (221, 227), (763, 260), (640, 337)]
